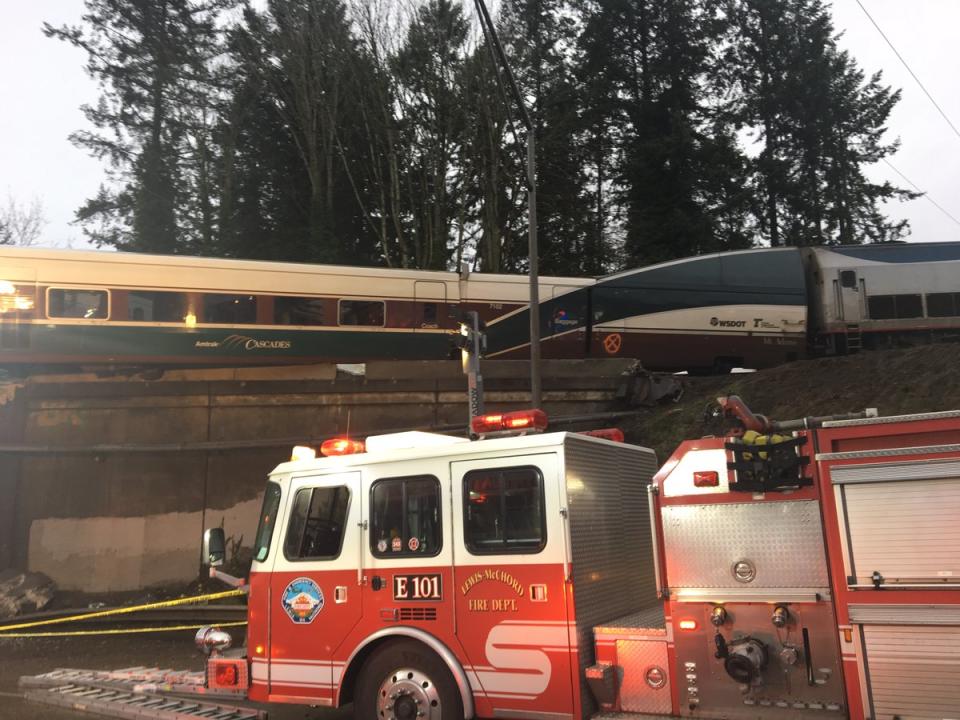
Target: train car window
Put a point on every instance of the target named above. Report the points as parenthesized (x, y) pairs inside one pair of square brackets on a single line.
[(298, 311), (503, 511), (362, 312), (230, 309), (943, 305), (156, 306), (430, 314), (848, 279), (909, 306), (405, 517), (84, 304), (881, 307), (894, 307), (317, 523)]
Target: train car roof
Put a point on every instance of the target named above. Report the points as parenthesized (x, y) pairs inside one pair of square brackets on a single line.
[(888, 253), (184, 262), (730, 254)]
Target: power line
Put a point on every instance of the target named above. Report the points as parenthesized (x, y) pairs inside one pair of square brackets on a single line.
[(909, 70), (911, 182)]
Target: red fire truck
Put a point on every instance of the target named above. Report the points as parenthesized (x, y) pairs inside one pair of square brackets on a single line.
[(771, 573)]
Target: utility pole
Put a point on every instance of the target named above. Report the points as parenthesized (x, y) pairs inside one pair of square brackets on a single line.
[(500, 58), (472, 343)]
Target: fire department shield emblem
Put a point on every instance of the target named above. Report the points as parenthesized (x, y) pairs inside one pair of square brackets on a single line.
[(302, 600)]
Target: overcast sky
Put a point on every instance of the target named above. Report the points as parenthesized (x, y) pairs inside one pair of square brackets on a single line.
[(42, 84)]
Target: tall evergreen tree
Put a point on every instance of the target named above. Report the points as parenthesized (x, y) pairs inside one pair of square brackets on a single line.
[(429, 68), (677, 163), (495, 186), (818, 121), (539, 36), (308, 48), (148, 57)]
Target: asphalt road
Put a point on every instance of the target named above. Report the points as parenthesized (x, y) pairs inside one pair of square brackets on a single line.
[(166, 650)]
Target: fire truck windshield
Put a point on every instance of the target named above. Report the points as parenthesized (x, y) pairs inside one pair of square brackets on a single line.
[(268, 518)]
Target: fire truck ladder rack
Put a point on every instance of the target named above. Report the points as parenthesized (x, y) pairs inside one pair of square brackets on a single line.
[(141, 693)]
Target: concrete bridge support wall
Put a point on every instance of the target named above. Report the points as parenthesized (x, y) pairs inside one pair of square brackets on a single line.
[(107, 484)]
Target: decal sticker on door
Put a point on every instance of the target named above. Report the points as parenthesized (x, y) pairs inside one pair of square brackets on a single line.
[(517, 653), (302, 600)]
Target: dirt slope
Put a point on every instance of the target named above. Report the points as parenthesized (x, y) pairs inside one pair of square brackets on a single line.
[(923, 379)]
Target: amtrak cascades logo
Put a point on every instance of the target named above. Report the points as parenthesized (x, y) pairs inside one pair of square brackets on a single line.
[(302, 600), (244, 342)]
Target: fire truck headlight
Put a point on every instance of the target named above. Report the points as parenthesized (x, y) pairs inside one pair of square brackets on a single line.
[(210, 639)]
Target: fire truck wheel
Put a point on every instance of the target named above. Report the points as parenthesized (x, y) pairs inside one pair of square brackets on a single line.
[(403, 680)]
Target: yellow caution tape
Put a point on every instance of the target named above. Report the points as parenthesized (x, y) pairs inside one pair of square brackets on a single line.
[(78, 633), (126, 610)]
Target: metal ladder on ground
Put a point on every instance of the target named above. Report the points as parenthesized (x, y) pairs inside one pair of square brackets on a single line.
[(141, 693)]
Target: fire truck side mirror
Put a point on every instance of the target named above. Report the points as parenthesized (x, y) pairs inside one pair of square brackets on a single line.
[(214, 547)]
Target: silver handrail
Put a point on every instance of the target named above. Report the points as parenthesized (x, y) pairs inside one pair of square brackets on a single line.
[(654, 538)]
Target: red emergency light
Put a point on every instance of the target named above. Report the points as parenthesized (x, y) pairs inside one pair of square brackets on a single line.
[(341, 446), (226, 675), (522, 420), (612, 434), (706, 478)]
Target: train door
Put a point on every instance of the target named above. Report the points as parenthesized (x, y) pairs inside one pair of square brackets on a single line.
[(510, 548), (849, 301), (315, 598), (431, 305)]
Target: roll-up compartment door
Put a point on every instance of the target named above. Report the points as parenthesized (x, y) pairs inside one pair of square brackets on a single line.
[(900, 522), (912, 671)]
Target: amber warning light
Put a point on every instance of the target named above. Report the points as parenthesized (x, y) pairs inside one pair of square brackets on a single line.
[(341, 446), (522, 421)]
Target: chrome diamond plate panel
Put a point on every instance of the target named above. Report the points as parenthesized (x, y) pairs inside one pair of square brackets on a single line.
[(636, 657), (650, 621), (782, 540)]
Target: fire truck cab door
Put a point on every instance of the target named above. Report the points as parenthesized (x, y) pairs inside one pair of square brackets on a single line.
[(510, 547), (315, 598)]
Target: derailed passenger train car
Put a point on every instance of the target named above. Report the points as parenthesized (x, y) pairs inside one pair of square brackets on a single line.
[(752, 308), (711, 312), (874, 296)]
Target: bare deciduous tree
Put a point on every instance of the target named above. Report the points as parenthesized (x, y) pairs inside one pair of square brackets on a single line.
[(21, 223)]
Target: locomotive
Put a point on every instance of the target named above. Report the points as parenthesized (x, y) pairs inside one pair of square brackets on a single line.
[(752, 308)]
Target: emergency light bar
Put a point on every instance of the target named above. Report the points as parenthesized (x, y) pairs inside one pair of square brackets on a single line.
[(341, 446), (611, 434), (302, 452), (512, 422)]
